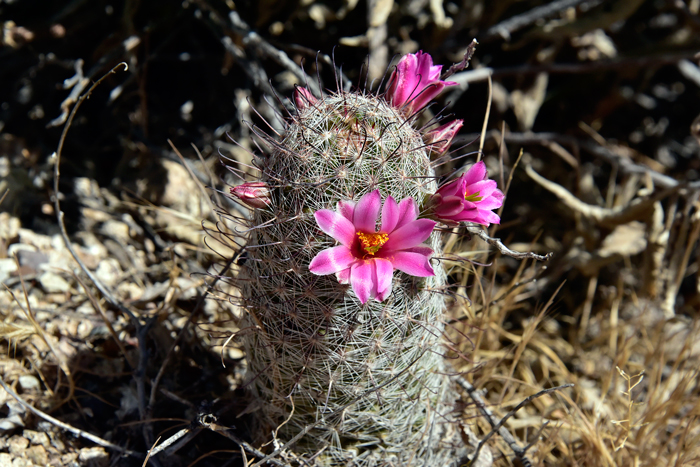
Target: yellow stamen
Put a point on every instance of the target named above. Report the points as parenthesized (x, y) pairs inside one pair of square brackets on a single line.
[(372, 242), (474, 197)]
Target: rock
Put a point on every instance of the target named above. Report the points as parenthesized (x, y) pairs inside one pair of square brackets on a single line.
[(17, 445), (14, 419), (9, 227), (5, 460), (38, 455), (37, 438), (53, 283), (31, 261), (94, 457), (109, 272), (7, 267), (28, 382), (21, 462), (116, 230)]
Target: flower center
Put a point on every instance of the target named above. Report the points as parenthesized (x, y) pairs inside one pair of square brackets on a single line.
[(474, 197), (372, 242)]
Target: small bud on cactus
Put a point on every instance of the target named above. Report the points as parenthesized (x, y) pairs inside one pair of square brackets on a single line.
[(303, 98), (344, 310), (470, 198), (253, 194), (441, 138), (415, 83)]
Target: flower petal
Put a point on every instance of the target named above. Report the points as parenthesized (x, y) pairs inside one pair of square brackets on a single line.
[(390, 215), (362, 280), (409, 235), (331, 260), (385, 273), (453, 188), (336, 226), (346, 209), (366, 212), (420, 249), (487, 217), (484, 187), (476, 173), (426, 95), (343, 276), (449, 206), (494, 201), (408, 212), (414, 264)]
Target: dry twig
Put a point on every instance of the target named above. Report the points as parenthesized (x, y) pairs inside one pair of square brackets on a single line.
[(77, 432), (498, 427)]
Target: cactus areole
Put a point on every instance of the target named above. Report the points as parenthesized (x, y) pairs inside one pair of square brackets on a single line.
[(344, 300)]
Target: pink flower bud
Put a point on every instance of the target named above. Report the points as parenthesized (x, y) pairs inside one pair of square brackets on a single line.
[(303, 97), (253, 194), (470, 198), (415, 82), (441, 138)]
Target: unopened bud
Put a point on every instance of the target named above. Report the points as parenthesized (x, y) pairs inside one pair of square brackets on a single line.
[(441, 137), (303, 98), (253, 194)]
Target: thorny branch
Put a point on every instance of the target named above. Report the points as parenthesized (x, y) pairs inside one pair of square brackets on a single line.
[(461, 66), (504, 250)]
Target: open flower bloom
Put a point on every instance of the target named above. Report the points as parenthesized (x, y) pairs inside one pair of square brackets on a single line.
[(366, 258), (415, 82), (441, 138), (253, 194), (470, 198)]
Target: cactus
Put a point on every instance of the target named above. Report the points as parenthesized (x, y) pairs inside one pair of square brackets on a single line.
[(345, 371)]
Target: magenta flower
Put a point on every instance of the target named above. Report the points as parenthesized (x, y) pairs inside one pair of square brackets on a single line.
[(441, 138), (470, 198), (254, 194), (366, 258), (303, 97), (415, 82)]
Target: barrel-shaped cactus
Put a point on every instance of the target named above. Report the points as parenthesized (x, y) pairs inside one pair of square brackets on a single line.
[(343, 296)]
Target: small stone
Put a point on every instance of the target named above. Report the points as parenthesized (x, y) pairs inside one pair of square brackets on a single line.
[(28, 382), (21, 462), (109, 272), (69, 459), (116, 230), (5, 459), (53, 283), (17, 444), (38, 455), (7, 267), (37, 438), (94, 457), (9, 226)]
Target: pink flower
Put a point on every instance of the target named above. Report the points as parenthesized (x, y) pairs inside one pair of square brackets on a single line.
[(441, 137), (303, 97), (415, 82), (366, 258), (470, 198), (254, 194)]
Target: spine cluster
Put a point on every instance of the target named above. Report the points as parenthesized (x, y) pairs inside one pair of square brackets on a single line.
[(344, 301)]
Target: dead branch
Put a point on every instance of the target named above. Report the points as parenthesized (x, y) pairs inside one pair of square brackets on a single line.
[(515, 23), (637, 209)]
